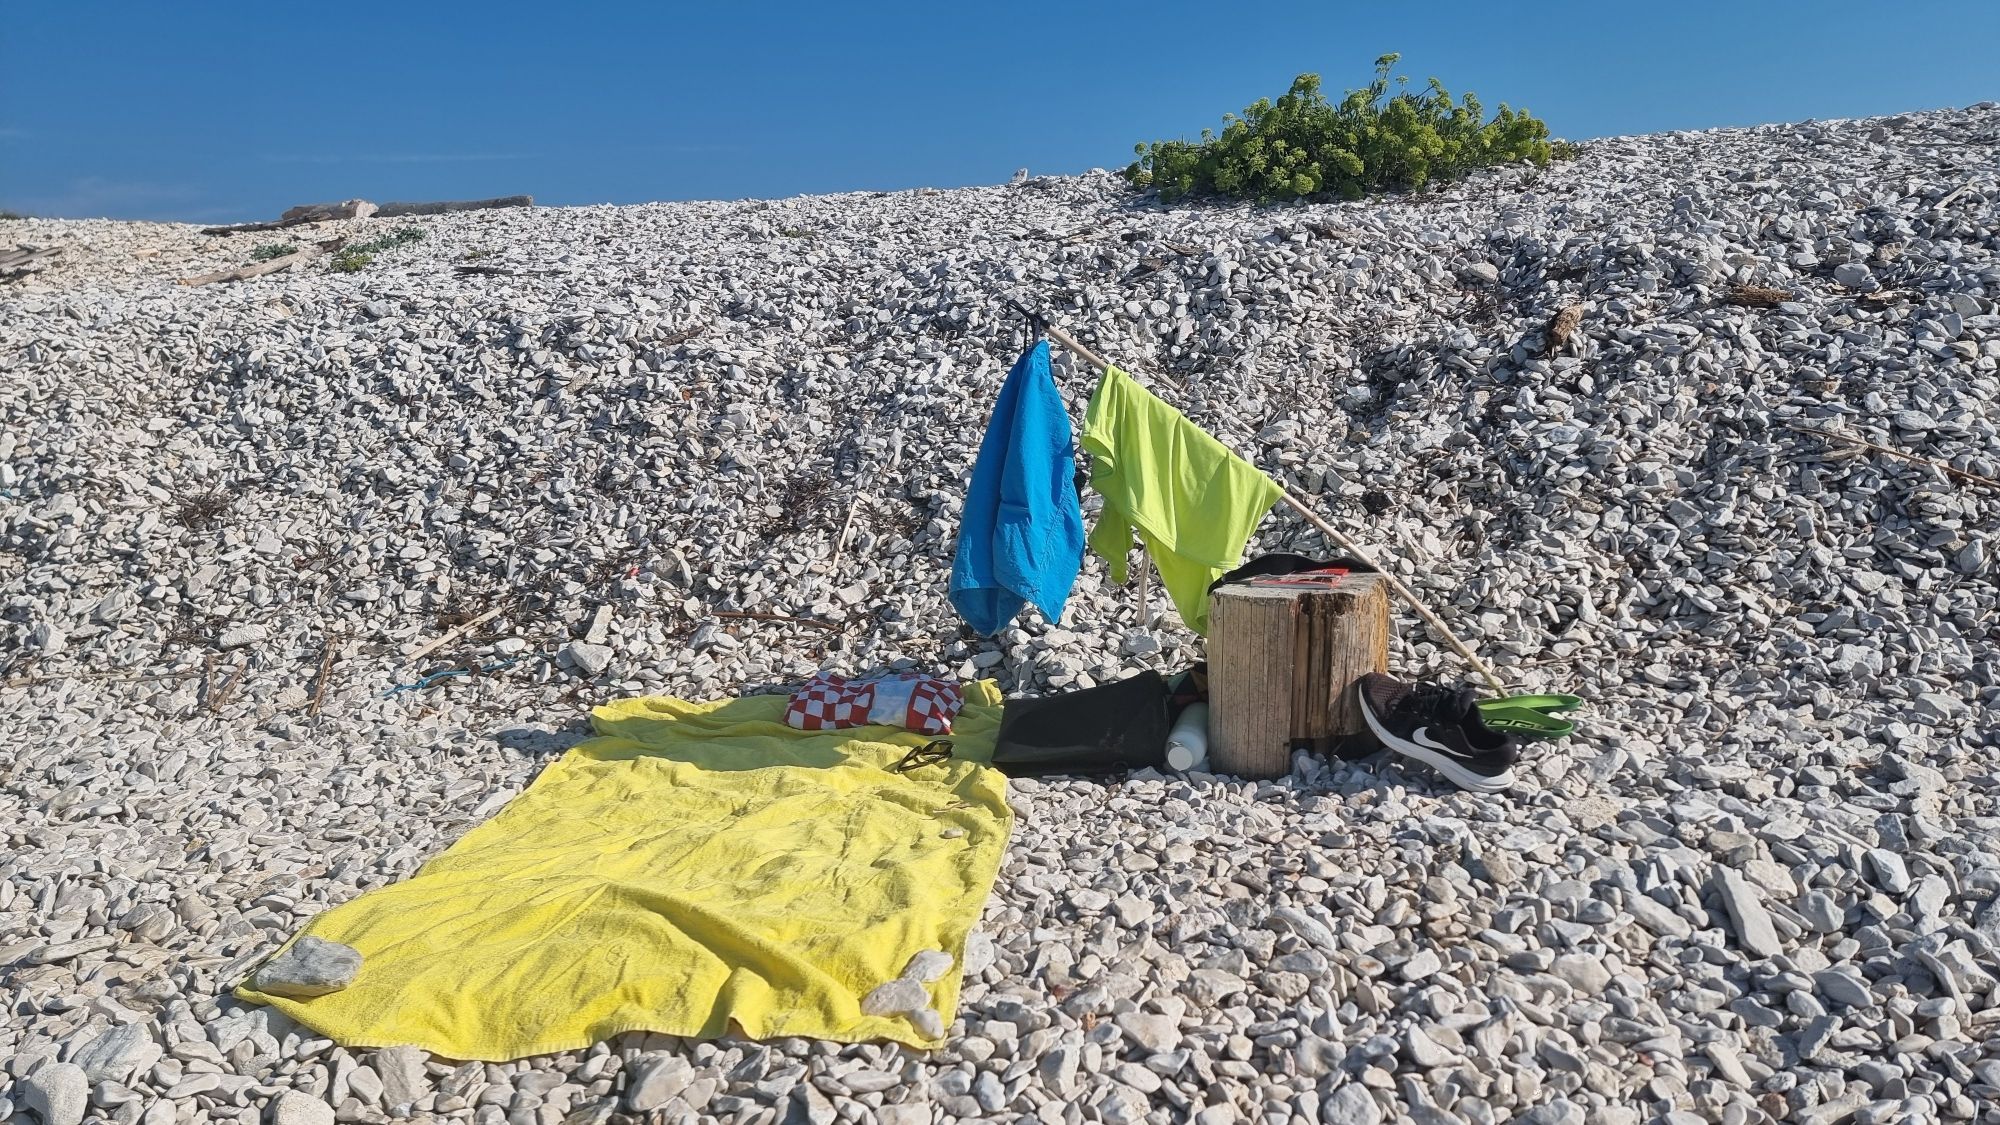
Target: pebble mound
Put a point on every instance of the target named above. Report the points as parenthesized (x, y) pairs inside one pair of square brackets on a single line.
[(659, 439)]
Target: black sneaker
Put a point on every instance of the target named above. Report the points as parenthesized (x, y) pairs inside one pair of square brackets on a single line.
[(1440, 728)]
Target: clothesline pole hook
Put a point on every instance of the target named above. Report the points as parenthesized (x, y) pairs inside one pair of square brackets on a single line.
[(1037, 323)]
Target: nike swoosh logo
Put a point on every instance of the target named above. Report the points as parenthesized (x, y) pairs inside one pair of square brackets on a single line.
[(1422, 737)]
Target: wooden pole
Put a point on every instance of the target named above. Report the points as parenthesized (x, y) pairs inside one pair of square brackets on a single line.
[(1402, 591), (1328, 530)]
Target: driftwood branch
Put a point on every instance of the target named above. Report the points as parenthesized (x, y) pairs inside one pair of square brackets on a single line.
[(1756, 296), (256, 269), (247, 228), (24, 260), (301, 215), (398, 210), (324, 212), (1940, 466)]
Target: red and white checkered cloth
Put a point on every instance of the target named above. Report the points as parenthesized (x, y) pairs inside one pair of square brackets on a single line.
[(924, 704)]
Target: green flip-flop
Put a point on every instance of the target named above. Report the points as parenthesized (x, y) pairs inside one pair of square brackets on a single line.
[(1530, 716)]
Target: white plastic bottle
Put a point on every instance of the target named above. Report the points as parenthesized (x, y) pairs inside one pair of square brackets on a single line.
[(1187, 742)]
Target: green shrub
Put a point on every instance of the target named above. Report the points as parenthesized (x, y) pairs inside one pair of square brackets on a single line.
[(1303, 145), (358, 256), (399, 237), (271, 250), (1564, 150)]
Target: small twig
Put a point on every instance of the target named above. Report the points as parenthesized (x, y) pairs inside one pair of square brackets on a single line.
[(676, 339), (325, 669), (425, 650), (1145, 590), (840, 543), (746, 615), (1954, 194), (1940, 466), (215, 694)]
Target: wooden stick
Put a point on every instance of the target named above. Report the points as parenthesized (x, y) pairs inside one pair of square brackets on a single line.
[(325, 669), (462, 630), (1402, 591), (1091, 357), (746, 615), (846, 525), (1940, 466), (1145, 590), (255, 269), (1343, 541)]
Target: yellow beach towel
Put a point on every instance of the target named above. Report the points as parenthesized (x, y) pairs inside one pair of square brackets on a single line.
[(698, 866)]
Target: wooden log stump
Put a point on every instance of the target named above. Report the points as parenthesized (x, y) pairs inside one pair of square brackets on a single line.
[(1283, 656)]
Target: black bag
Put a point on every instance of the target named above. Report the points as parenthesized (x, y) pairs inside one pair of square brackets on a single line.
[(1282, 563), (1111, 728)]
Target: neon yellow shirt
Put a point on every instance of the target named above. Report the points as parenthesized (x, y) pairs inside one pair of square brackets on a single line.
[(1192, 501)]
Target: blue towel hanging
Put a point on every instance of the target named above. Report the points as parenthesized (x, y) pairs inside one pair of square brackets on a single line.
[(1021, 537)]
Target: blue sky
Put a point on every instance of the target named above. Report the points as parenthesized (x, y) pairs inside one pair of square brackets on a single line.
[(226, 111)]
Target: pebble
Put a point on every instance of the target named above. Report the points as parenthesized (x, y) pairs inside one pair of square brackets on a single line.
[(655, 1081), (1058, 1067), (1754, 931), (927, 965), (56, 1094), (1582, 972), (1821, 912), (237, 636), (293, 1108), (587, 658), (1843, 988), (310, 966), (1155, 1034), (402, 1072), (1351, 1104), (1889, 870), (118, 1053), (897, 997)]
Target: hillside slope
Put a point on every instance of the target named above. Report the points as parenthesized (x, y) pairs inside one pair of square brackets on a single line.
[(1760, 886)]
